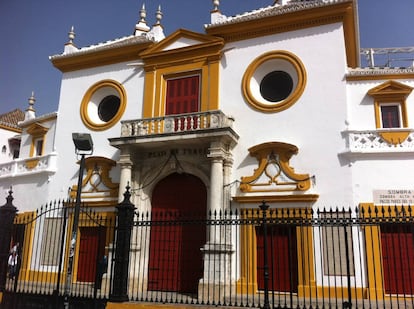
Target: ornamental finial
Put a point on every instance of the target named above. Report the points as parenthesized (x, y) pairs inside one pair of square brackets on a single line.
[(32, 100), (71, 35), (158, 15), (141, 27), (143, 14), (216, 4)]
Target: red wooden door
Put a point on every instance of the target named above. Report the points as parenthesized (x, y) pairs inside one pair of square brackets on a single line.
[(90, 247), (175, 257), (183, 97), (398, 256), (281, 256)]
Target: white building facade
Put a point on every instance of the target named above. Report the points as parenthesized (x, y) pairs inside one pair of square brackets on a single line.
[(270, 105)]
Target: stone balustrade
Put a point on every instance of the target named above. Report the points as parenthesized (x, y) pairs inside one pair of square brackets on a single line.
[(373, 141), (176, 123), (29, 166)]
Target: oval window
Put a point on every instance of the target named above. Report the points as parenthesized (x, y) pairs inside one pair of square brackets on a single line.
[(274, 81), (108, 107), (276, 86), (103, 105)]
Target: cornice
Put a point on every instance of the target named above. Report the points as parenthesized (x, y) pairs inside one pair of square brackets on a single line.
[(293, 17), (40, 119), (99, 55), (8, 127), (379, 74)]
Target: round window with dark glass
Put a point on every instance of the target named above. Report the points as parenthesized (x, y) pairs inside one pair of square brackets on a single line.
[(276, 86), (108, 107)]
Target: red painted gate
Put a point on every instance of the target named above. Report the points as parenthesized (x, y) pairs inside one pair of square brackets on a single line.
[(175, 257), (398, 256), (91, 246), (281, 256)]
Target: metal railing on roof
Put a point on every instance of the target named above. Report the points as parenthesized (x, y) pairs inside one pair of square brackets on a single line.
[(387, 57)]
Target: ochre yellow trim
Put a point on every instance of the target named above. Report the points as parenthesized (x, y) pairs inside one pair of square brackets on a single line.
[(161, 63), (395, 137), (99, 58), (87, 98), (37, 132), (291, 99), (274, 153), (344, 12), (42, 119), (205, 47), (29, 233), (27, 274), (372, 234), (391, 92), (7, 128), (31, 163), (248, 248), (294, 198), (99, 167), (379, 77)]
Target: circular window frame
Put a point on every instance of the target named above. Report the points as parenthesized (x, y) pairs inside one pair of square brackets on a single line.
[(102, 89), (256, 100)]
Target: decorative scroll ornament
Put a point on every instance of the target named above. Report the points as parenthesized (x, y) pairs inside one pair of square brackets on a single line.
[(97, 184), (274, 174)]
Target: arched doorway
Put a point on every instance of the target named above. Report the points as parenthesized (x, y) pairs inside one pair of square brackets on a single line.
[(179, 204)]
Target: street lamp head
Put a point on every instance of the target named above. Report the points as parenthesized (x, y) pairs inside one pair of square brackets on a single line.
[(83, 142)]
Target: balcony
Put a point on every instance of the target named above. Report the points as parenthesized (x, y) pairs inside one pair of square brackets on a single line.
[(191, 128), (29, 166), (381, 141), (176, 124)]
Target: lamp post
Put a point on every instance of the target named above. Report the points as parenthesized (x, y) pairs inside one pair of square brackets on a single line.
[(84, 146)]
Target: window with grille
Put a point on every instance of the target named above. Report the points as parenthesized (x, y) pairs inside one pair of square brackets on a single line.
[(335, 237), (51, 241)]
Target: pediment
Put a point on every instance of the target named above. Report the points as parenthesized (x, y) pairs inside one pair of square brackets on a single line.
[(183, 43), (390, 88), (37, 129)]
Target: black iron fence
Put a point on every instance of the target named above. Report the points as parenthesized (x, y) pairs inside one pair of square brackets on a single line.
[(41, 239), (267, 258)]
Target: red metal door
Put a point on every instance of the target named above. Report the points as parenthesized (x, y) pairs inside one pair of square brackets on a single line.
[(281, 256), (175, 257), (90, 246), (183, 97), (398, 255)]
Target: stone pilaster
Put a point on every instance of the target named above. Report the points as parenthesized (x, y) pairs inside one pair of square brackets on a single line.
[(125, 177)]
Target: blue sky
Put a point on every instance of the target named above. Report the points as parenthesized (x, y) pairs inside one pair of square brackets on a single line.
[(32, 30)]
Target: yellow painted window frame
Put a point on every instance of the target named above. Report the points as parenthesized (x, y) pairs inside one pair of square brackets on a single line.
[(402, 110), (391, 92), (156, 86), (37, 132)]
